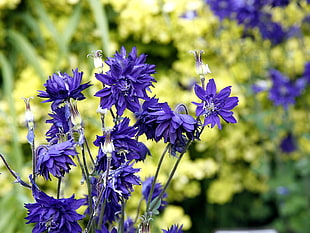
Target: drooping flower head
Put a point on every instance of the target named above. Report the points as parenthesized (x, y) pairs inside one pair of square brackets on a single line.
[(55, 159), (126, 82), (124, 178), (284, 91), (215, 105), (158, 121), (174, 229), (146, 189), (123, 146), (54, 215), (61, 87)]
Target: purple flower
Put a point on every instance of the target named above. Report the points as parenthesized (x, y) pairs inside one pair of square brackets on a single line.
[(272, 31), (174, 229), (106, 230), (110, 197), (60, 124), (279, 3), (288, 143), (284, 91), (126, 82), (126, 148), (60, 87), (158, 121), (54, 215), (129, 226), (223, 8), (123, 178), (215, 105), (146, 189), (55, 159)]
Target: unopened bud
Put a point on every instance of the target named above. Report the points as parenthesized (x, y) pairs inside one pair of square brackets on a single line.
[(108, 146), (29, 117), (97, 56), (201, 68), (76, 118)]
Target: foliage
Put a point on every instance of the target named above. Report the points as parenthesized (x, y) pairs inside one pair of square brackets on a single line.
[(241, 165)]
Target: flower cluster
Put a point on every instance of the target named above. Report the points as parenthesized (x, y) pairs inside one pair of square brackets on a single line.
[(112, 175), (282, 90), (253, 14)]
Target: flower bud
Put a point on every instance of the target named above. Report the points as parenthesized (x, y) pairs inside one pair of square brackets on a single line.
[(29, 117), (201, 68), (76, 118), (108, 146), (97, 56)]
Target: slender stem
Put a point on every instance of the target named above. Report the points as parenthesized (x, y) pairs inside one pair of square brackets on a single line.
[(102, 209), (170, 177), (86, 174), (23, 183), (122, 220), (58, 187), (34, 161), (138, 210), (99, 199), (89, 152), (155, 178)]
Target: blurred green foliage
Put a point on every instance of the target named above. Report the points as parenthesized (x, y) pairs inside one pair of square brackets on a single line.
[(236, 177)]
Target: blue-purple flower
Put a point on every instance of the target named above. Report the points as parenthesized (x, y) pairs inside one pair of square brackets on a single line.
[(126, 82), (125, 146), (214, 105), (55, 159), (124, 178), (54, 215), (146, 189), (129, 226), (61, 87), (61, 123), (284, 91), (174, 229), (288, 143), (252, 14), (157, 121)]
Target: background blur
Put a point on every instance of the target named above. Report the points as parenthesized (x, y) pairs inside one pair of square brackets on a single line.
[(253, 174)]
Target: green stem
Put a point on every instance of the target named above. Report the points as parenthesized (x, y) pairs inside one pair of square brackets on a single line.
[(155, 178), (122, 220), (89, 152), (34, 161), (138, 210), (86, 174), (58, 187), (99, 199), (14, 173), (170, 177)]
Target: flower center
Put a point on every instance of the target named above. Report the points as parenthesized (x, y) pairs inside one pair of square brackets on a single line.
[(209, 107), (125, 87)]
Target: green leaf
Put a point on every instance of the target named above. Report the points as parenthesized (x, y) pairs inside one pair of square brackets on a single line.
[(72, 23), (26, 48), (8, 77), (102, 24), (155, 204)]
